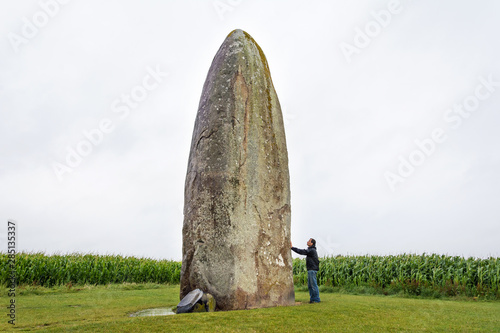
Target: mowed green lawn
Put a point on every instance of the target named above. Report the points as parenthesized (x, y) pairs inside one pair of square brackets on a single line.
[(107, 309)]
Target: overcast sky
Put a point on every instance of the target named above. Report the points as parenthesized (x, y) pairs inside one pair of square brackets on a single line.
[(391, 112)]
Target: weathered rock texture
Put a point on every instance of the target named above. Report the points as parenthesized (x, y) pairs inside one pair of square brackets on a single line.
[(236, 231)]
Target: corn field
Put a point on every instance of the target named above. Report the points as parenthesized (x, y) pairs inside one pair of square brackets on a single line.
[(43, 270), (412, 274), (407, 273)]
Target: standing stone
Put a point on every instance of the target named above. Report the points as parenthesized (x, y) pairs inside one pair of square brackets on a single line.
[(236, 233)]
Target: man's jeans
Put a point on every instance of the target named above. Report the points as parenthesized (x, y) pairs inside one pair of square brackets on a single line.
[(312, 284)]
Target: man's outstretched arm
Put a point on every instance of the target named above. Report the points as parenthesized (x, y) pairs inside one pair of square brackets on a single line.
[(299, 251)]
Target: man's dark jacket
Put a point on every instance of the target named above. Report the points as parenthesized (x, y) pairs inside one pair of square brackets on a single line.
[(312, 261)]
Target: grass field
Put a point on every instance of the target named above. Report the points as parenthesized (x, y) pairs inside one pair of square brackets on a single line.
[(107, 308)]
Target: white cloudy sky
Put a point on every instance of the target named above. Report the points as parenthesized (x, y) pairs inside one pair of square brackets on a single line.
[(350, 120)]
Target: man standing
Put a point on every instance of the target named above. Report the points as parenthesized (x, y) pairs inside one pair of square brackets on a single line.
[(312, 265)]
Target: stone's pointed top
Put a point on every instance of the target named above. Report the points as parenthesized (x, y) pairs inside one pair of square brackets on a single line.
[(236, 33), (241, 36), (240, 42)]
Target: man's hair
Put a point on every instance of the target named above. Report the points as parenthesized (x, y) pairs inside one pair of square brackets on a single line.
[(313, 241)]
